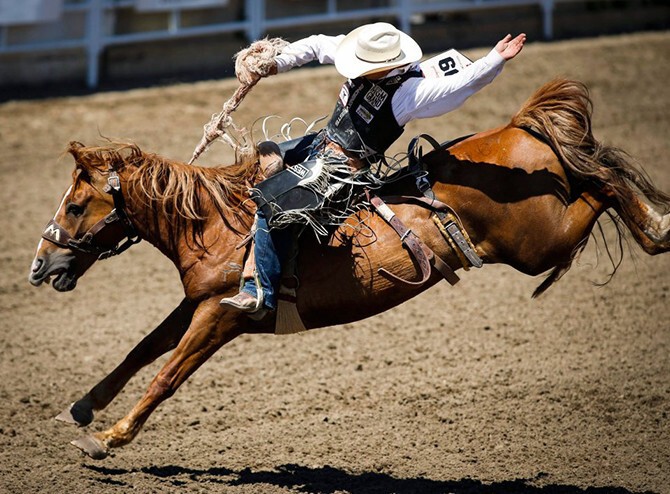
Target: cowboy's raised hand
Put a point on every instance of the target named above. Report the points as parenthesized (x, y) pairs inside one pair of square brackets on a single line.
[(510, 48)]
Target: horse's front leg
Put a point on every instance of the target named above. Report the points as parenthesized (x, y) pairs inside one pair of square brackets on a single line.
[(162, 339), (210, 329)]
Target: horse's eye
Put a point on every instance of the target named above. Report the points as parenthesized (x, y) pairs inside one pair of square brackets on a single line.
[(74, 209)]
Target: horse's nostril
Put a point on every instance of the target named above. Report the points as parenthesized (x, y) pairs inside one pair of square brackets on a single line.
[(37, 264)]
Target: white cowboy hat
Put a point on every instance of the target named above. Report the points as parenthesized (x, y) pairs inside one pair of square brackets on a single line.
[(375, 47)]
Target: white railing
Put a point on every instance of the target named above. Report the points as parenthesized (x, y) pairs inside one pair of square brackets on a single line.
[(97, 33)]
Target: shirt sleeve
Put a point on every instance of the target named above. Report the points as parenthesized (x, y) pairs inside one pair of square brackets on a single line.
[(316, 47), (425, 97)]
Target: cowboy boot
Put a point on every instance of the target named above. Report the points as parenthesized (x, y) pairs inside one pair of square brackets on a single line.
[(243, 302)]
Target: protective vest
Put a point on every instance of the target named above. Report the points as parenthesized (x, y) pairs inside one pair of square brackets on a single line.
[(363, 122)]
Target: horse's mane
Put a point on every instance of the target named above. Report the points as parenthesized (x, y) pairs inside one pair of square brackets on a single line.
[(186, 195)]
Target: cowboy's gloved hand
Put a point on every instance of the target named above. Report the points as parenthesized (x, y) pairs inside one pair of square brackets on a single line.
[(249, 75), (257, 60), (510, 48)]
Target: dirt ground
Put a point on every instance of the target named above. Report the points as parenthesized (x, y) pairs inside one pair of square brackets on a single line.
[(472, 389)]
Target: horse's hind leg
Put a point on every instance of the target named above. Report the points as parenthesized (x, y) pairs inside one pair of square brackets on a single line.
[(162, 339), (650, 229), (210, 329)]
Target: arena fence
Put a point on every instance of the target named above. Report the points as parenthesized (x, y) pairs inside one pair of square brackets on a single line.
[(93, 25)]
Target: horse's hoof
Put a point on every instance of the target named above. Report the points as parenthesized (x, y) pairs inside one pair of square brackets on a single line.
[(76, 414), (92, 446)]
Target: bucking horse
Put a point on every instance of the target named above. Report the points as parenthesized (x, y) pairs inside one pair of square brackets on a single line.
[(527, 194)]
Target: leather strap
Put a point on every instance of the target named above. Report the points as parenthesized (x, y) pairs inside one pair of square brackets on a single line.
[(455, 234), (447, 222), (423, 201), (423, 254), (56, 234)]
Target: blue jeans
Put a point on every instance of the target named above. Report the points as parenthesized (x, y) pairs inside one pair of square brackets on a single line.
[(270, 248)]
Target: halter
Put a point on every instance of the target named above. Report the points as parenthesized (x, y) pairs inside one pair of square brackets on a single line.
[(56, 234)]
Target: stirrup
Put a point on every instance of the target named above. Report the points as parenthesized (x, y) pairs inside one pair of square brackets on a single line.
[(239, 305), (260, 311)]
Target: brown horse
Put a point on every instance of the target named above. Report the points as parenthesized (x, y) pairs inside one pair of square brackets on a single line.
[(528, 194)]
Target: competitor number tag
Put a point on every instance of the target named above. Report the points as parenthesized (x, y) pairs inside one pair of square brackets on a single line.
[(448, 63)]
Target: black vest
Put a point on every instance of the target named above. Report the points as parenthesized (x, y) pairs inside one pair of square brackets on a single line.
[(363, 122)]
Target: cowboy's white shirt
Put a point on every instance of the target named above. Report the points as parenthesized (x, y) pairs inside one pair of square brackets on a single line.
[(418, 97)]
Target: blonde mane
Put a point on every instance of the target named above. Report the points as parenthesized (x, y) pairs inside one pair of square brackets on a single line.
[(182, 193)]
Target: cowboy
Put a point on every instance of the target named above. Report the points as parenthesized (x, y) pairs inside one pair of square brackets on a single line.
[(384, 91)]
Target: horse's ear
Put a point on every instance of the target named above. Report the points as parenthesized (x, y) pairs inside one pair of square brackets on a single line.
[(73, 148), (81, 172)]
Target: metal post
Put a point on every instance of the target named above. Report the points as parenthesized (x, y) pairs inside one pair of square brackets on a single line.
[(255, 10), (405, 15), (174, 21), (94, 38), (548, 19)]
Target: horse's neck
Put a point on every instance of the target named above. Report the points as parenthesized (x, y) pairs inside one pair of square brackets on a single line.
[(181, 239), (149, 219)]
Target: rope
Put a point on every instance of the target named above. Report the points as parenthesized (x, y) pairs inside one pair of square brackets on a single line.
[(251, 64)]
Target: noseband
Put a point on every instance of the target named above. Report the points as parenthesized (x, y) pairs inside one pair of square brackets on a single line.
[(87, 243)]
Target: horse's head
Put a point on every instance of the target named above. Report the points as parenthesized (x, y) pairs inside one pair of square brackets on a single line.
[(89, 224)]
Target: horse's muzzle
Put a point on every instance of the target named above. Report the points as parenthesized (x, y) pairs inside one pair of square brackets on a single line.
[(61, 266)]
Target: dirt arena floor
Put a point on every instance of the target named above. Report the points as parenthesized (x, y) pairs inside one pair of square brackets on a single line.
[(475, 389)]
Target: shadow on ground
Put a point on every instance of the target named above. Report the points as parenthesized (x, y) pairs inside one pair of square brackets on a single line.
[(328, 480)]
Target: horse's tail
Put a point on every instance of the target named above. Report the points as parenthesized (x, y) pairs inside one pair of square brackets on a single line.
[(561, 112)]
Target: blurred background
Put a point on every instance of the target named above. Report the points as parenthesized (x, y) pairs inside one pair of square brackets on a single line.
[(73, 46)]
